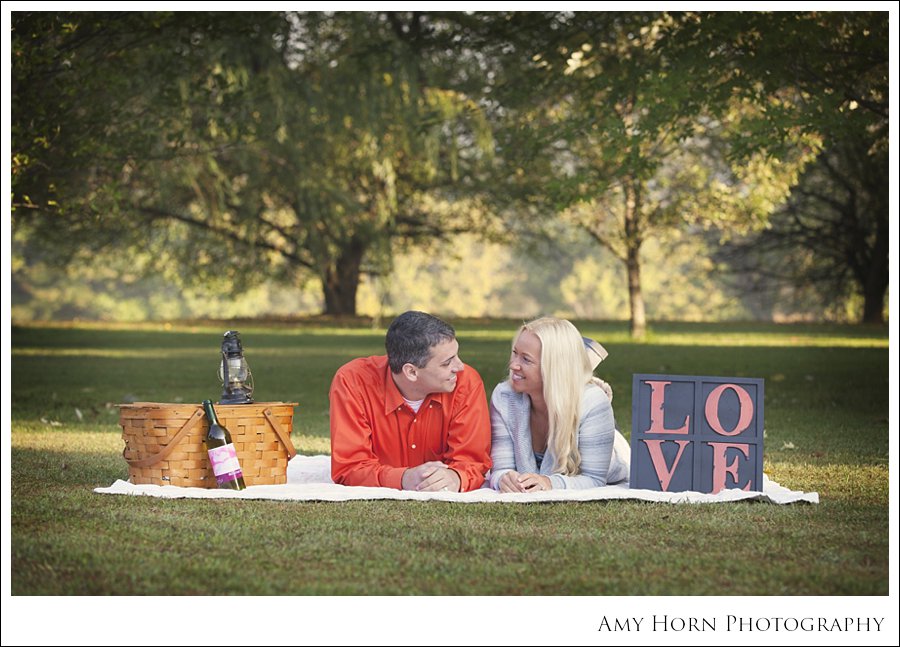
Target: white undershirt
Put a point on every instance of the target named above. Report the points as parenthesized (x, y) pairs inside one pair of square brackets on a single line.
[(414, 404)]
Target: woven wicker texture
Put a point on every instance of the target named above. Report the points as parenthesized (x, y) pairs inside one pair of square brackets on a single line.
[(164, 442)]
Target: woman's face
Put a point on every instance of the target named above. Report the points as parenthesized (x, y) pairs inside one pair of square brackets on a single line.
[(525, 364)]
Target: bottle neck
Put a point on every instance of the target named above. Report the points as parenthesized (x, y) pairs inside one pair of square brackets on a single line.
[(210, 412)]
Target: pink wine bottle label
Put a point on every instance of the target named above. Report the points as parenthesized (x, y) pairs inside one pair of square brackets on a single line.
[(225, 463)]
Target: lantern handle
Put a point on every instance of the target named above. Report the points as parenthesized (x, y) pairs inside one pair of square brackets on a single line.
[(249, 383), (223, 368)]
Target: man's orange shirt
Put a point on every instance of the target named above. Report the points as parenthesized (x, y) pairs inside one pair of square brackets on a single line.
[(375, 435)]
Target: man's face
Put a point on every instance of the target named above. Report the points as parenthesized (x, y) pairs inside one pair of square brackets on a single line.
[(439, 374)]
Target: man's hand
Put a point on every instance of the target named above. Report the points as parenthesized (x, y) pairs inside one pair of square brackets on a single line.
[(414, 476), (443, 479), (432, 476)]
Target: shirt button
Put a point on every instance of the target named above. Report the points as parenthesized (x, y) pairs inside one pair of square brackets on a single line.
[(413, 446)]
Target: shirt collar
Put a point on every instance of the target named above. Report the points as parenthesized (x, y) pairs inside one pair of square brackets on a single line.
[(393, 399)]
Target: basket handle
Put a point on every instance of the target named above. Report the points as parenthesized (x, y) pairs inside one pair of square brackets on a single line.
[(184, 431), (285, 438)]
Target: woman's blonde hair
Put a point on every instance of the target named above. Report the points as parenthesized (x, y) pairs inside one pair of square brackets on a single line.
[(565, 369)]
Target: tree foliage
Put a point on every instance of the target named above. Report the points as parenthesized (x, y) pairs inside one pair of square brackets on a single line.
[(629, 147), (224, 149), (650, 124), (831, 80), (831, 237), (816, 71), (283, 146)]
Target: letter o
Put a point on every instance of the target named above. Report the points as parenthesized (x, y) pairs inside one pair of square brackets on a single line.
[(712, 410)]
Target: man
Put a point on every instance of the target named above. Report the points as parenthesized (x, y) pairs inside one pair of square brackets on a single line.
[(415, 419)]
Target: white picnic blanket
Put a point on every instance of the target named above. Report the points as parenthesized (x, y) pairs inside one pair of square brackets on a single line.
[(309, 479)]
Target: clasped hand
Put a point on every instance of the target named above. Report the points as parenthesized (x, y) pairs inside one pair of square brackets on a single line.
[(512, 481), (432, 476)]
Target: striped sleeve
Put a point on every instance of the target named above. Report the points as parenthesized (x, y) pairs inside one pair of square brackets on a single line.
[(502, 448)]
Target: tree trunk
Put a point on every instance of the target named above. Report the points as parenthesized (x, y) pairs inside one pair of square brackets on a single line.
[(874, 287), (873, 307), (633, 242), (340, 280), (876, 281), (635, 296)]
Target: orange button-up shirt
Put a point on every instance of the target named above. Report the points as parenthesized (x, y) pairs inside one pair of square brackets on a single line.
[(375, 435)]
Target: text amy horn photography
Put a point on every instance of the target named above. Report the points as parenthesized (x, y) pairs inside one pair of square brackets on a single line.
[(742, 623)]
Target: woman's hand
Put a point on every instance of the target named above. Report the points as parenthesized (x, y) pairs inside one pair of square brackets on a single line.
[(512, 481), (509, 482), (534, 482)]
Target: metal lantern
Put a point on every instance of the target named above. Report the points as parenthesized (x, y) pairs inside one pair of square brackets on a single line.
[(234, 372)]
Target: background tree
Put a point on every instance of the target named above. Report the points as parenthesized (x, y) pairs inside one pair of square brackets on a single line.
[(102, 103), (627, 146), (294, 145), (831, 238), (824, 73)]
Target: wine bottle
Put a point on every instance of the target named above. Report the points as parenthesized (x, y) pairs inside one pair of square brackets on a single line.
[(222, 455)]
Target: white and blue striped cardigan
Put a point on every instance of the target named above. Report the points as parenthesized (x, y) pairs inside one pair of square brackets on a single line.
[(605, 454)]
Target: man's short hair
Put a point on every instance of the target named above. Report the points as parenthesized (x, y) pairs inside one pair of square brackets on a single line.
[(411, 337)]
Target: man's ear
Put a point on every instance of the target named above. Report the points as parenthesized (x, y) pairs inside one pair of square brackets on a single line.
[(410, 372)]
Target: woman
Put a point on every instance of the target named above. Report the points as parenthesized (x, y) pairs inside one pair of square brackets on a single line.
[(552, 424)]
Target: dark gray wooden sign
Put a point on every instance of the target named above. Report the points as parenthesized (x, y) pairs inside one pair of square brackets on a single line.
[(702, 434)]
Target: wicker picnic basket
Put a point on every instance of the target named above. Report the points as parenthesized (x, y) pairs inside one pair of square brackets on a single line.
[(164, 442)]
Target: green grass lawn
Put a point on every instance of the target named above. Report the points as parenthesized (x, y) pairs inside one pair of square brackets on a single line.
[(826, 425)]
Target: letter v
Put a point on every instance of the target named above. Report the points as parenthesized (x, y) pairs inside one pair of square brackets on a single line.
[(663, 473)]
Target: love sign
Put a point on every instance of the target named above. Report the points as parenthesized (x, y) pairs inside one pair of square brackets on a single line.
[(703, 434)]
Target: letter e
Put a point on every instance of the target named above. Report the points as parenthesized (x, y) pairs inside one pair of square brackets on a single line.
[(721, 468)]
